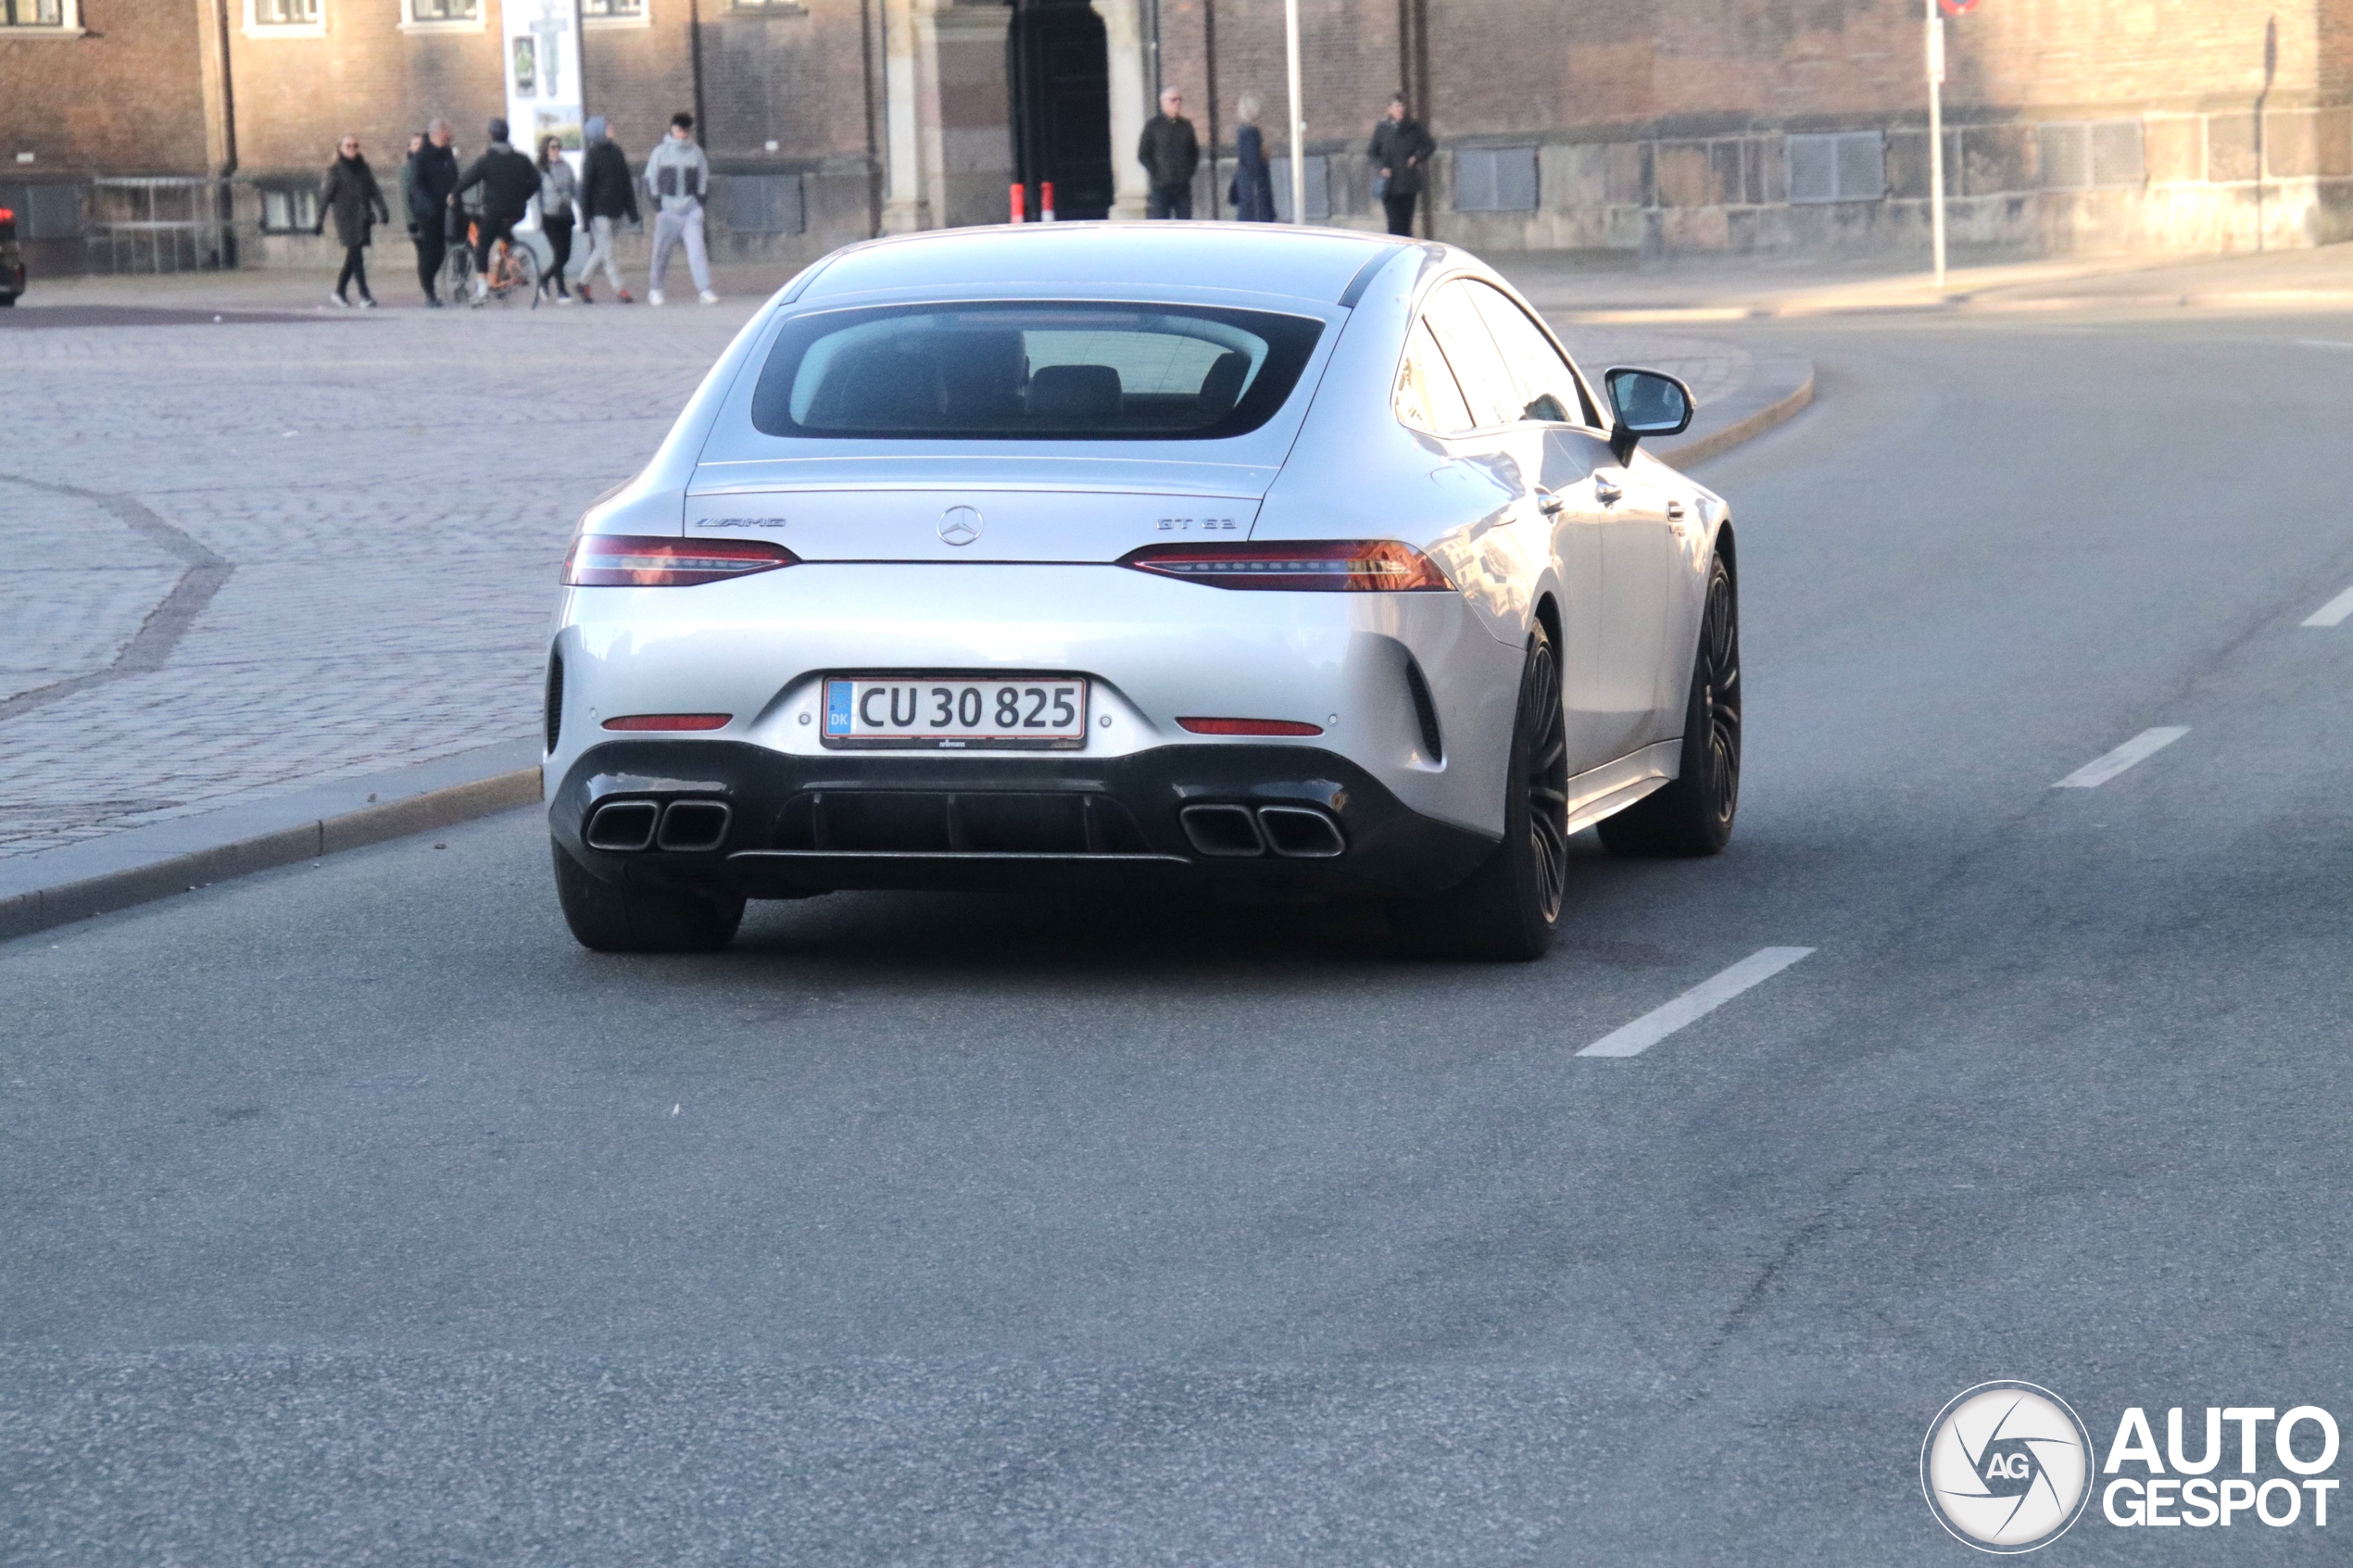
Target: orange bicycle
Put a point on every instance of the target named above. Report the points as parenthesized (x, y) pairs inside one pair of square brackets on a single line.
[(514, 270)]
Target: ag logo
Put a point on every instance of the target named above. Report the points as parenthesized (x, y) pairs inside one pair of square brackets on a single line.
[(2006, 1467)]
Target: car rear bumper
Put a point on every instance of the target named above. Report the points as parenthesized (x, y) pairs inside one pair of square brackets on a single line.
[(1278, 819)]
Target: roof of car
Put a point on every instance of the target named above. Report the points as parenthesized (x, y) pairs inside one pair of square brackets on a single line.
[(1311, 264)]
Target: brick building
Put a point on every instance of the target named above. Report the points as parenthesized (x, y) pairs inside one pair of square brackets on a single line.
[(1656, 126)]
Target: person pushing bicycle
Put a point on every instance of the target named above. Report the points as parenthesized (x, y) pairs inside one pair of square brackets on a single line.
[(508, 180)]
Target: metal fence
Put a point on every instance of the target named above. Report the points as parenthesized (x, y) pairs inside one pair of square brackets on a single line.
[(159, 224)]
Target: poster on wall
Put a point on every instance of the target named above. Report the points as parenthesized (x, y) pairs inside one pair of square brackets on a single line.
[(543, 74)]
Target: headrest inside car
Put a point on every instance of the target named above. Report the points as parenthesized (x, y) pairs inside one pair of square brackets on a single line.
[(1224, 383), (1074, 395)]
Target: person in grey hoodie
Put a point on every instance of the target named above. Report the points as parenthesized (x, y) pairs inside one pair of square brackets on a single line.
[(676, 177)]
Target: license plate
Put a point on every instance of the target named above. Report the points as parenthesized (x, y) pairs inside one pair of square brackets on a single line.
[(1038, 712)]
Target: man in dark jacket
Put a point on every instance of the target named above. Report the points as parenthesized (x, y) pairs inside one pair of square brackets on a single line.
[(1400, 152), (508, 180), (608, 194), (1169, 152), (432, 174)]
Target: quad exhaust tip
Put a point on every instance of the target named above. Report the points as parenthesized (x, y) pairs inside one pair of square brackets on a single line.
[(1237, 833), (625, 827)]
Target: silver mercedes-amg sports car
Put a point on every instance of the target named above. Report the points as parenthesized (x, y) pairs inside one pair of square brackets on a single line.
[(1298, 562)]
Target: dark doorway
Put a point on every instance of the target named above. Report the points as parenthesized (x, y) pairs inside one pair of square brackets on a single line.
[(1060, 68)]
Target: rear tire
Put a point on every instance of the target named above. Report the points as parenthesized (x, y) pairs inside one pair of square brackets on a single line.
[(609, 918), (1509, 910), (1693, 815)]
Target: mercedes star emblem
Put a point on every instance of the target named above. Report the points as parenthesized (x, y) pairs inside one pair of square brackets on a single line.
[(960, 525)]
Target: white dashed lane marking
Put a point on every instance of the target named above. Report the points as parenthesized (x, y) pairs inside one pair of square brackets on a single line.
[(2148, 744), (1695, 1004), (2334, 612)]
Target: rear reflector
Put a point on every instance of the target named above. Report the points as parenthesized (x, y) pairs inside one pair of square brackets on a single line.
[(629, 560), (1314, 566), (670, 722), (1250, 727)]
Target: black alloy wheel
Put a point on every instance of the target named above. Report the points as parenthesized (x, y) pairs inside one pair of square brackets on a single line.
[(1693, 815), (1509, 908)]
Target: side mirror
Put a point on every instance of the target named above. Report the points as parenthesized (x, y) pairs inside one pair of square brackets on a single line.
[(1646, 403)]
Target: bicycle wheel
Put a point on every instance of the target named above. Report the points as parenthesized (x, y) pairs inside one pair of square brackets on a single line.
[(456, 274), (524, 275)]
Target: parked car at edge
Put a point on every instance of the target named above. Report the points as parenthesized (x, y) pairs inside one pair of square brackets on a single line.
[(1298, 561), (11, 258)]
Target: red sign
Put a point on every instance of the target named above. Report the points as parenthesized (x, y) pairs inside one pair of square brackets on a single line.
[(1957, 7)]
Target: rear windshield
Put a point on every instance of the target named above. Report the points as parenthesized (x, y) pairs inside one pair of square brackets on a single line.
[(1031, 370)]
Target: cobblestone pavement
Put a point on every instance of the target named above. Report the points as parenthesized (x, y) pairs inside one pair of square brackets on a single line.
[(383, 500)]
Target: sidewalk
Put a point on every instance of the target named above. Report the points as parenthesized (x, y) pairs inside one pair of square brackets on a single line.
[(1585, 288)]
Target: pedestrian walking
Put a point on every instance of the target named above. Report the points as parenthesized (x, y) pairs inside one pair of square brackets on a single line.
[(1400, 152), (608, 194), (432, 175), (351, 196), (508, 180), (1252, 192), (409, 183), (1169, 152), (677, 176), (559, 198)]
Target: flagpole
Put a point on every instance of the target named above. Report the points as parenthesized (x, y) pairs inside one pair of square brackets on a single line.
[(1298, 118), (1935, 138)]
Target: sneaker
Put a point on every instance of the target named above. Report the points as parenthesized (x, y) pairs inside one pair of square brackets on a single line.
[(338, 299), (563, 299), (432, 302), (709, 297), (653, 296), (626, 298), (586, 297), (366, 302)]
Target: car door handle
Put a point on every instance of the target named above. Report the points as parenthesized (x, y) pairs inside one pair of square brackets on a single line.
[(1675, 511), (1607, 492), (1549, 503)]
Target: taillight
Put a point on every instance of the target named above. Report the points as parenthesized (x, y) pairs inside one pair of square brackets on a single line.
[(1378, 566), (629, 560)]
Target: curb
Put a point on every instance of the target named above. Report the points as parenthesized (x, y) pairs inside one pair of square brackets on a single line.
[(45, 908), (1747, 427)]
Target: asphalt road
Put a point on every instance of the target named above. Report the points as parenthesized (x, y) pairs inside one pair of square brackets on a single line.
[(351, 1214)]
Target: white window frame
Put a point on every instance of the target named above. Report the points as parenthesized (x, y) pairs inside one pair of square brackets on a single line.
[(411, 23), (645, 18), (68, 25), (257, 28)]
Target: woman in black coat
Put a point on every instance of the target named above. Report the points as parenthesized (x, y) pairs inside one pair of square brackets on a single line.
[(357, 204), (1252, 192)]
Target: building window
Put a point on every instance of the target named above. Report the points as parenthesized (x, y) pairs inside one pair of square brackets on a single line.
[(1495, 180), (613, 10), (301, 14), (1845, 166), (764, 204), (444, 10), (36, 13), (289, 210)]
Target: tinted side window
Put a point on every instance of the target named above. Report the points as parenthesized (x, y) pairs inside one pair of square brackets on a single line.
[(1547, 386), (1427, 396), (1488, 385)]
